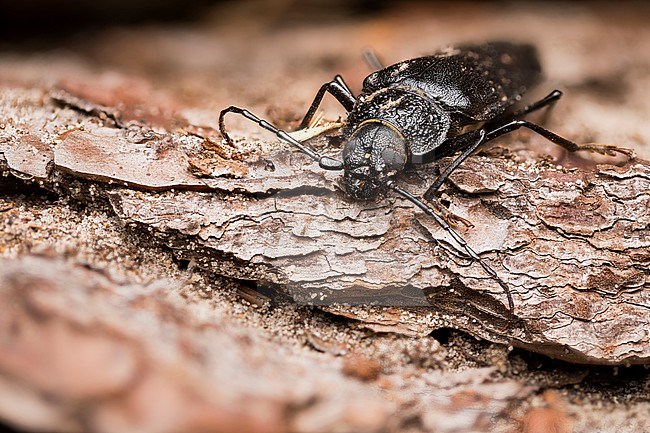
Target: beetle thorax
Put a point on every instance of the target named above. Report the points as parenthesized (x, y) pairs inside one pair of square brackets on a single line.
[(374, 152), (421, 121)]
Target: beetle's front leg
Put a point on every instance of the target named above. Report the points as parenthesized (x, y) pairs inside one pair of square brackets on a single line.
[(336, 88), (446, 214)]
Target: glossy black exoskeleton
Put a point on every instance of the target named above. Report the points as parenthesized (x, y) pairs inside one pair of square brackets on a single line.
[(422, 109)]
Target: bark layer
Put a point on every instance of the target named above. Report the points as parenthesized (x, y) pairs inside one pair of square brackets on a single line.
[(571, 241)]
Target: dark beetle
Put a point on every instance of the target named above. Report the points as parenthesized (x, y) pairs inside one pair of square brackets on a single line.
[(414, 109), (422, 109)]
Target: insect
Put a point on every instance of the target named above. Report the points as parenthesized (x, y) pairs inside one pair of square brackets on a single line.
[(419, 110)]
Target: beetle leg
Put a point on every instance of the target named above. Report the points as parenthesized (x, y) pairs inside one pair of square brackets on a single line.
[(547, 101), (479, 138), (603, 149), (448, 215), (325, 162), (336, 88), (513, 124)]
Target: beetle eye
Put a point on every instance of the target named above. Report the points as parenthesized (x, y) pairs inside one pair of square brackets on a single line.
[(350, 146), (393, 159)]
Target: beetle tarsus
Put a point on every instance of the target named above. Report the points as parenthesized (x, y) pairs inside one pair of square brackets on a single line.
[(451, 218)]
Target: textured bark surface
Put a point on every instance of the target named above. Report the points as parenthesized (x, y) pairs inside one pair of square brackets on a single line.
[(154, 279), (571, 241), (572, 244), (106, 349)]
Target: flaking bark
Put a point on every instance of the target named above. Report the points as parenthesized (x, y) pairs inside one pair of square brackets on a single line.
[(572, 242)]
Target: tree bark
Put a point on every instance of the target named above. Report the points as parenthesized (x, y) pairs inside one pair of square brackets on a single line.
[(570, 241)]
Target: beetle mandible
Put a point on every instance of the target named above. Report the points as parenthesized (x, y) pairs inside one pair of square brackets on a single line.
[(421, 109)]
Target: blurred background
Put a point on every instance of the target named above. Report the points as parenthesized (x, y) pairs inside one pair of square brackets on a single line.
[(272, 55)]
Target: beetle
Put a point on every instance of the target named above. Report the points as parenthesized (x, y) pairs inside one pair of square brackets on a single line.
[(422, 109)]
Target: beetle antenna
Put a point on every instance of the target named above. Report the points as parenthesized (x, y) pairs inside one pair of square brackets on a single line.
[(371, 58), (325, 162), (458, 238)]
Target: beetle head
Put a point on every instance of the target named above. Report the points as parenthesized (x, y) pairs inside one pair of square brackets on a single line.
[(374, 152)]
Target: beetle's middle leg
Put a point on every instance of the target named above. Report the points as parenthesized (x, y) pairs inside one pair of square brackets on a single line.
[(515, 122), (603, 149), (336, 88), (479, 137), (490, 132), (371, 58)]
